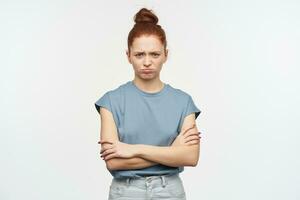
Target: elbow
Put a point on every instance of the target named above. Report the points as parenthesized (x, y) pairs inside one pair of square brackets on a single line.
[(194, 163), (115, 164), (194, 157), (110, 165)]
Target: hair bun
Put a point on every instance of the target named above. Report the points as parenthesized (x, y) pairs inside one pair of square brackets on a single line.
[(145, 16)]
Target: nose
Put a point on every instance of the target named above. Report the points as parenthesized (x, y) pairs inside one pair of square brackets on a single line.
[(147, 61)]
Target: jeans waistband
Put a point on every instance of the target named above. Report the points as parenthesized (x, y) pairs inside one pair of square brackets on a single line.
[(147, 180)]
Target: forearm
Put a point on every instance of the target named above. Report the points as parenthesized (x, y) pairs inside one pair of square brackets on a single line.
[(173, 156), (129, 163)]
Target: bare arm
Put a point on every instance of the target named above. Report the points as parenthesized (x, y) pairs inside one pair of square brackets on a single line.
[(175, 155), (129, 163), (109, 132)]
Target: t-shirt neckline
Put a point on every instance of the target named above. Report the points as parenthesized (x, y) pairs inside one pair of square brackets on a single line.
[(149, 94)]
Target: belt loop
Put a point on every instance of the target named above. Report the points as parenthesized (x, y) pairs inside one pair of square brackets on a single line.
[(128, 181), (163, 181)]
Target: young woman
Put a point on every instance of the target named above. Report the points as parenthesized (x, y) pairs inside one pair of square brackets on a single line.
[(148, 130)]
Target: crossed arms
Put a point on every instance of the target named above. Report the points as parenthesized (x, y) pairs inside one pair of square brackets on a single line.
[(184, 151)]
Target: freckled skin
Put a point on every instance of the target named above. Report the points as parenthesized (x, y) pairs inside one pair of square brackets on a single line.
[(147, 53)]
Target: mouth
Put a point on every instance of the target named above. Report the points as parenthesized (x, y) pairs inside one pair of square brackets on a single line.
[(147, 71)]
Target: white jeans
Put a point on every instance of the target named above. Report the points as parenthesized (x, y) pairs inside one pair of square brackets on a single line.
[(149, 188)]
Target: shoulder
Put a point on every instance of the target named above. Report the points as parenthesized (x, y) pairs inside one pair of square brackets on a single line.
[(112, 99), (179, 94), (112, 96), (116, 92)]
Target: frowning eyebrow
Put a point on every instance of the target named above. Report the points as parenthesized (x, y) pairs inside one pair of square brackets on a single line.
[(144, 52)]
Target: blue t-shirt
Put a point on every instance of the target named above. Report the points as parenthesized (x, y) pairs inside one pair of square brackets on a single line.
[(147, 118)]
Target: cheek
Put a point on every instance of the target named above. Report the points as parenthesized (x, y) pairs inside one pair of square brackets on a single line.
[(160, 61), (159, 64), (136, 68), (136, 63)]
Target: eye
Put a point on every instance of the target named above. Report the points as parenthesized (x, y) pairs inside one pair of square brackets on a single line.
[(155, 54), (139, 54)]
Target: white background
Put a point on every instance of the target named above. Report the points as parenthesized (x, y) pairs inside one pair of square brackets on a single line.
[(239, 60)]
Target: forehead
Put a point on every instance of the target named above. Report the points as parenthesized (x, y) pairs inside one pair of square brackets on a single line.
[(147, 43)]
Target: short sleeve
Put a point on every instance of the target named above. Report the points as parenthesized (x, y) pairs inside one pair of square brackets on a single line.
[(189, 108), (103, 101), (192, 108)]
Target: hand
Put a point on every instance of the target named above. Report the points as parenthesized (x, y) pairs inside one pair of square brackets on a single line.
[(117, 149), (188, 136)]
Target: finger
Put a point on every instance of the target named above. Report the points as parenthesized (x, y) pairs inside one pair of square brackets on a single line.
[(101, 141), (193, 137), (105, 141), (106, 147), (193, 142), (108, 151), (112, 155), (190, 138), (191, 134), (191, 127)]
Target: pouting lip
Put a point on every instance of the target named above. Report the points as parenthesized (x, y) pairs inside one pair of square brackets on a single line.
[(147, 71)]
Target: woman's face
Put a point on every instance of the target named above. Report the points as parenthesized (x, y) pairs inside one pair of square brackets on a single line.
[(147, 56)]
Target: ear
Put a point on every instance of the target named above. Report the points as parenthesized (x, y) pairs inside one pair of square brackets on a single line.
[(128, 56), (166, 55)]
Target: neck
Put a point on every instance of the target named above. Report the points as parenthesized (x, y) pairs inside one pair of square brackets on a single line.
[(149, 85)]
